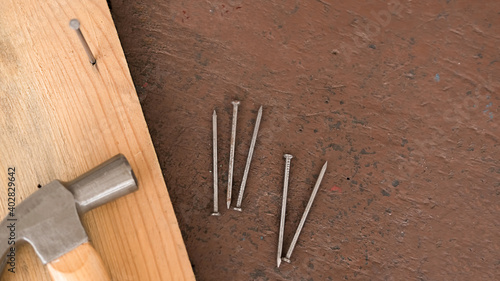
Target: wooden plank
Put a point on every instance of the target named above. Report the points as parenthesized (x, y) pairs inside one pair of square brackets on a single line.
[(61, 116)]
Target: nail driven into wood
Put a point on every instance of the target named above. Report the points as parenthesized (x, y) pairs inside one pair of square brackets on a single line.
[(75, 25), (306, 212), (288, 158), (249, 160), (214, 142), (231, 153)]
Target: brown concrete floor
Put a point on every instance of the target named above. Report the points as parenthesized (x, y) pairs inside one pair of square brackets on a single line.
[(401, 99)]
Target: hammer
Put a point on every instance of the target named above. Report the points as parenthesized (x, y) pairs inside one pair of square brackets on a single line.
[(49, 220)]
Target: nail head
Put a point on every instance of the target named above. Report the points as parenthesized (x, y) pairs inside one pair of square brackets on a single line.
[(74, 24), (236, 102), (288, 156)]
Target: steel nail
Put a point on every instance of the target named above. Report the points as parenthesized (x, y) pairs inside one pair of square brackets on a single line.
[(249, 159), (288, 158), (75, 25), (231, 153), (306, 212), (214, 142)]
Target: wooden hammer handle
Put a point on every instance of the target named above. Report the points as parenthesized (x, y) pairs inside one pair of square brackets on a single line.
[(82, 263)]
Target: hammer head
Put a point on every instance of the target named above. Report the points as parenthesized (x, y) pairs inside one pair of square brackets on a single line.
[(49, 218)]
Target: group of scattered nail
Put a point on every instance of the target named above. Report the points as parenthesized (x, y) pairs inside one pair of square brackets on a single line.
[(288, 158), (231, 159)]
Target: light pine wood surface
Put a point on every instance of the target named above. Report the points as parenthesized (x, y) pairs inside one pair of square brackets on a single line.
[(60, 116)]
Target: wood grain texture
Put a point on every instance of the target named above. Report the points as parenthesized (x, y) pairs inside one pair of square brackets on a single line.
[(60, 116), (81, 264)]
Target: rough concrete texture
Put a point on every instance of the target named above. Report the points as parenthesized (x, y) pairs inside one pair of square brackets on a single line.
[(401, 97)]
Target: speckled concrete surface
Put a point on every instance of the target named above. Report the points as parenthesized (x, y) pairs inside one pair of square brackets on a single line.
[(401, 97)]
